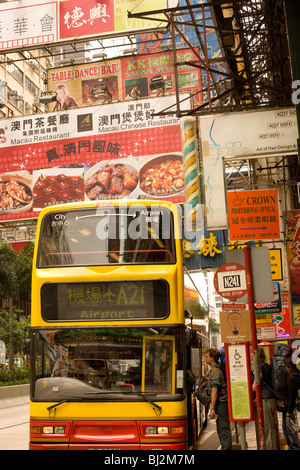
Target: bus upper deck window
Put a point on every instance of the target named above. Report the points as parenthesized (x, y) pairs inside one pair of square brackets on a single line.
[(107, 235)]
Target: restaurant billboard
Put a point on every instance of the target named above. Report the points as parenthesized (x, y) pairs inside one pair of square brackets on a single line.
[(74, 155)]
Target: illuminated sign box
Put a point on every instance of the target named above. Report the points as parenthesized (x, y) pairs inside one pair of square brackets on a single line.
[(105, 301)]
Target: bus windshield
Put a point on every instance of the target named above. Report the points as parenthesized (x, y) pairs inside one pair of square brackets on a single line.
[(104, 235), (107, 363)]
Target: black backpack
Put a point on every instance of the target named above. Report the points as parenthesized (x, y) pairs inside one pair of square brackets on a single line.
[(202, 391), (279, 373), (202, 388)]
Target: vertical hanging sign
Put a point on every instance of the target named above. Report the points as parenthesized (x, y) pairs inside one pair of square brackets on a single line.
[(190, 169), (214, 178)]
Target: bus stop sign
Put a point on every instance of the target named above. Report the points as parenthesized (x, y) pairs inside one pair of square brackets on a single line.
[(231, 281)]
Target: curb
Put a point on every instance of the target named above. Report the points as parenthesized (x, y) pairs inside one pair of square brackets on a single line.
[(14, 395)]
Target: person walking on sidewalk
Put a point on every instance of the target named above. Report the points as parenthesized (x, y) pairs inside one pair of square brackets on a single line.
[(219, 400)]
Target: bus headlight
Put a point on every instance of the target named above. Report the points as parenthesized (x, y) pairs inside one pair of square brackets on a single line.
[(157, 430), (53, 430)]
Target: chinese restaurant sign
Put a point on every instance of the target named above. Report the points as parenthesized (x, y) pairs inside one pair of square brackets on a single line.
[(70, 155), (25, 23), (253, 215)]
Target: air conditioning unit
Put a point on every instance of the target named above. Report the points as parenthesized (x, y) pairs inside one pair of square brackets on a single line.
[(33, 64)]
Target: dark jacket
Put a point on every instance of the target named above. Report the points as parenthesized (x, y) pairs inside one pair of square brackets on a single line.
[(266, 381), (293, 386)]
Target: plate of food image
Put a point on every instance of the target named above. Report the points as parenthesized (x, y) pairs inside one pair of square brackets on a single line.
[(162, 176), (112, 179), (15, 193)]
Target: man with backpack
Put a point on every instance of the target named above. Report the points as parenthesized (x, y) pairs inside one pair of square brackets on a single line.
[(291, 429), (217, 389), (282, 381), (269, 403)]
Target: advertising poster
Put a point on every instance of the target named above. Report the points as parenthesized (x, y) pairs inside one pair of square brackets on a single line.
[(253, 215), (235, 326), (273, 326), (93, 18), (84, 85), (27, 23), (91, 153), (114, 80), (24, 23), (250, 134), (270, 307), (145, 74), (293, 250)]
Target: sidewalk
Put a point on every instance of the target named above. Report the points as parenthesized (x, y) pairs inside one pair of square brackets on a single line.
[(208, 439)]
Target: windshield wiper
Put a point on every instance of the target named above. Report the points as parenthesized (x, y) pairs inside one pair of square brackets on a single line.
[(52, 407), (158, 408)]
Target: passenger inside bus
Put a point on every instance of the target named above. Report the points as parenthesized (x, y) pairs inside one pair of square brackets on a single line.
[(107, 360), (68, 364)]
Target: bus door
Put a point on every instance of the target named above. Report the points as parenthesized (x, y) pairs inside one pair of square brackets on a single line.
[(159, 364), (195, 410)]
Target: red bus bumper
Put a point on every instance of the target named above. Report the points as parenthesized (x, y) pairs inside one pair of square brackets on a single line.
[(108, 435)]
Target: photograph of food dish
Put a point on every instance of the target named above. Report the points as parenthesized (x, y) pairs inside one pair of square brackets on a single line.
[(57, 186), (114, 179), (15, 192), (162, 176)]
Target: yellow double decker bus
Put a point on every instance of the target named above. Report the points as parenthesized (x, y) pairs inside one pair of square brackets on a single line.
[(110, 349)]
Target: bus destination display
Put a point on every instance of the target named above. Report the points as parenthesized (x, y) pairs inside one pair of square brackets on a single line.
[(104, 301)]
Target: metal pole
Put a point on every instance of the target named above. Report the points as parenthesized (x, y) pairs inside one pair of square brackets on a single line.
[(260, 417), (243, 436), (175, 67)]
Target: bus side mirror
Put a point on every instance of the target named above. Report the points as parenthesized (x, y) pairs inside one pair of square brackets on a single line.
[(26, 347), (189, 315)]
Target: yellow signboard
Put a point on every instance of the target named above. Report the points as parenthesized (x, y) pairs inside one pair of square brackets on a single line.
[(276, 264)]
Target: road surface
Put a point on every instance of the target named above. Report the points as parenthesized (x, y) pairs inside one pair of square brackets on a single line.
[(14, 428)]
